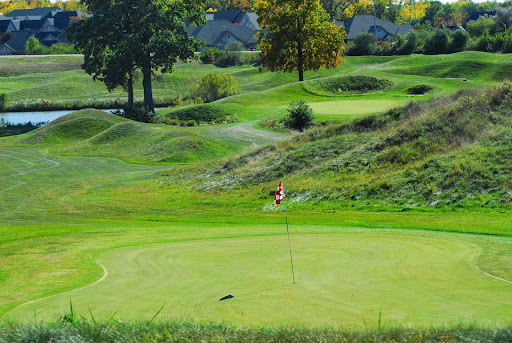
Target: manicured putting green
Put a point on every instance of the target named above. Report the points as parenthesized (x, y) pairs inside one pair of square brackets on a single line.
[(346, 279), (341, 109)]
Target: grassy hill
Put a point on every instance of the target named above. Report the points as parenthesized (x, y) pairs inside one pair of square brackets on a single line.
[(96, 133), (451, 151)]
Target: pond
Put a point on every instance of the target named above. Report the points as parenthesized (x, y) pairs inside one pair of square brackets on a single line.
[(16, 118)]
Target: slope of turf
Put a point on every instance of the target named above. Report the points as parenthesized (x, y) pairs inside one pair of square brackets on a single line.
[(96, 133), (448, 152)]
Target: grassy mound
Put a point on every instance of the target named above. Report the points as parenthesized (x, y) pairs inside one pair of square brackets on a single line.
[(449, 152), (462, 69), (76, 126), (338, 85), (97, 133), (138, 142)]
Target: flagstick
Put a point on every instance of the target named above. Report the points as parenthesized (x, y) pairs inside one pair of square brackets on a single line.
[(289, 244)]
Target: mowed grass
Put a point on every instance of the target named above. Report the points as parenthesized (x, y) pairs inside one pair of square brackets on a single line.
[(347, 109), (71, 202), (162, 245), (344, 278)]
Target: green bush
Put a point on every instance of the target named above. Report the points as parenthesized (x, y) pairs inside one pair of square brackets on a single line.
[(33, 47), (419, 89), (234, 52), (211, 55), (300, 116), (138, 113), (364, 44), (437, 43), (201, 113), (3, 101), (458, 42), (214, 86)]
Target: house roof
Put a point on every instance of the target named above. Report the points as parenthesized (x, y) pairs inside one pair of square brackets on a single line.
[(475, 15), (31, 24), (236, 17), (213, 30), (19, 39), (364, 23), (6, 46), (63, 18), (43, 12), (27, 17), (3, 25)]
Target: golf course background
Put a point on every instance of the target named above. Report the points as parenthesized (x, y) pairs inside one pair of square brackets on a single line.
[(128, 220)]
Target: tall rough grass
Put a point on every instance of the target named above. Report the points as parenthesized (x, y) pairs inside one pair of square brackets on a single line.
[(446, 152), (114, 331)]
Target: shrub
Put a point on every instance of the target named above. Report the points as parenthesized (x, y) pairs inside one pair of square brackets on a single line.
[(3, 101), (480, 27), (364, 44), (33, 47), (410, 44), (419, 89), (200, 114), (234, 52), (300, 116), (211, 55), (214, 86), (437, 43), (138, 113), (459, 41)]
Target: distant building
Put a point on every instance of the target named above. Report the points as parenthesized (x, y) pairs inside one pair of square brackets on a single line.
[(46, 24), (364, 23), (477, 15), (225, 27)]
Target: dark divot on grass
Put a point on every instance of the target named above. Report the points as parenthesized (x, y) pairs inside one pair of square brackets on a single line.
[(226, 297)]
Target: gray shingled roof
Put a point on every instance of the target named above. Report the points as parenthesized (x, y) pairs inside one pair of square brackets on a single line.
[(364, 23), (235, 17), (214, 29), (19, 39)]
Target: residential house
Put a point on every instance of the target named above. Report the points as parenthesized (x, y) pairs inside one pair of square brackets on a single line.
[(46, 24), (364, 23), (223, 28)]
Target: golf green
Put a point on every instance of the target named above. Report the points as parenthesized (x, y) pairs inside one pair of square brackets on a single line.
[(346, 108), (352, 278)]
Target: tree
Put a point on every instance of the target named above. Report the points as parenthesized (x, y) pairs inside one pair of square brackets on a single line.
[(503, 18), (299, 36), (125, 35), (332, 7), (33, 47)]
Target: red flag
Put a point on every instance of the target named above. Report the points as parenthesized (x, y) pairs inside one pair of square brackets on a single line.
[(279, 194)]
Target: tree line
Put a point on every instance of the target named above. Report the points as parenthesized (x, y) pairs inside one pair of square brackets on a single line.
[(7, 6), (426, 12)]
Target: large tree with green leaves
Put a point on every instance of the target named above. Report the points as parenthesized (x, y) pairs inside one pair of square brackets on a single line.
[(125, 35), (298, 36)]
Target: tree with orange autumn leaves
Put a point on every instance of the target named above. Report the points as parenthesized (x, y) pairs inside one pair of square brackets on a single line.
[(299, 36)]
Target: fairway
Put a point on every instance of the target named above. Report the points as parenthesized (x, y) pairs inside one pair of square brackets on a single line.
[(343, 279), (345, 109)]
